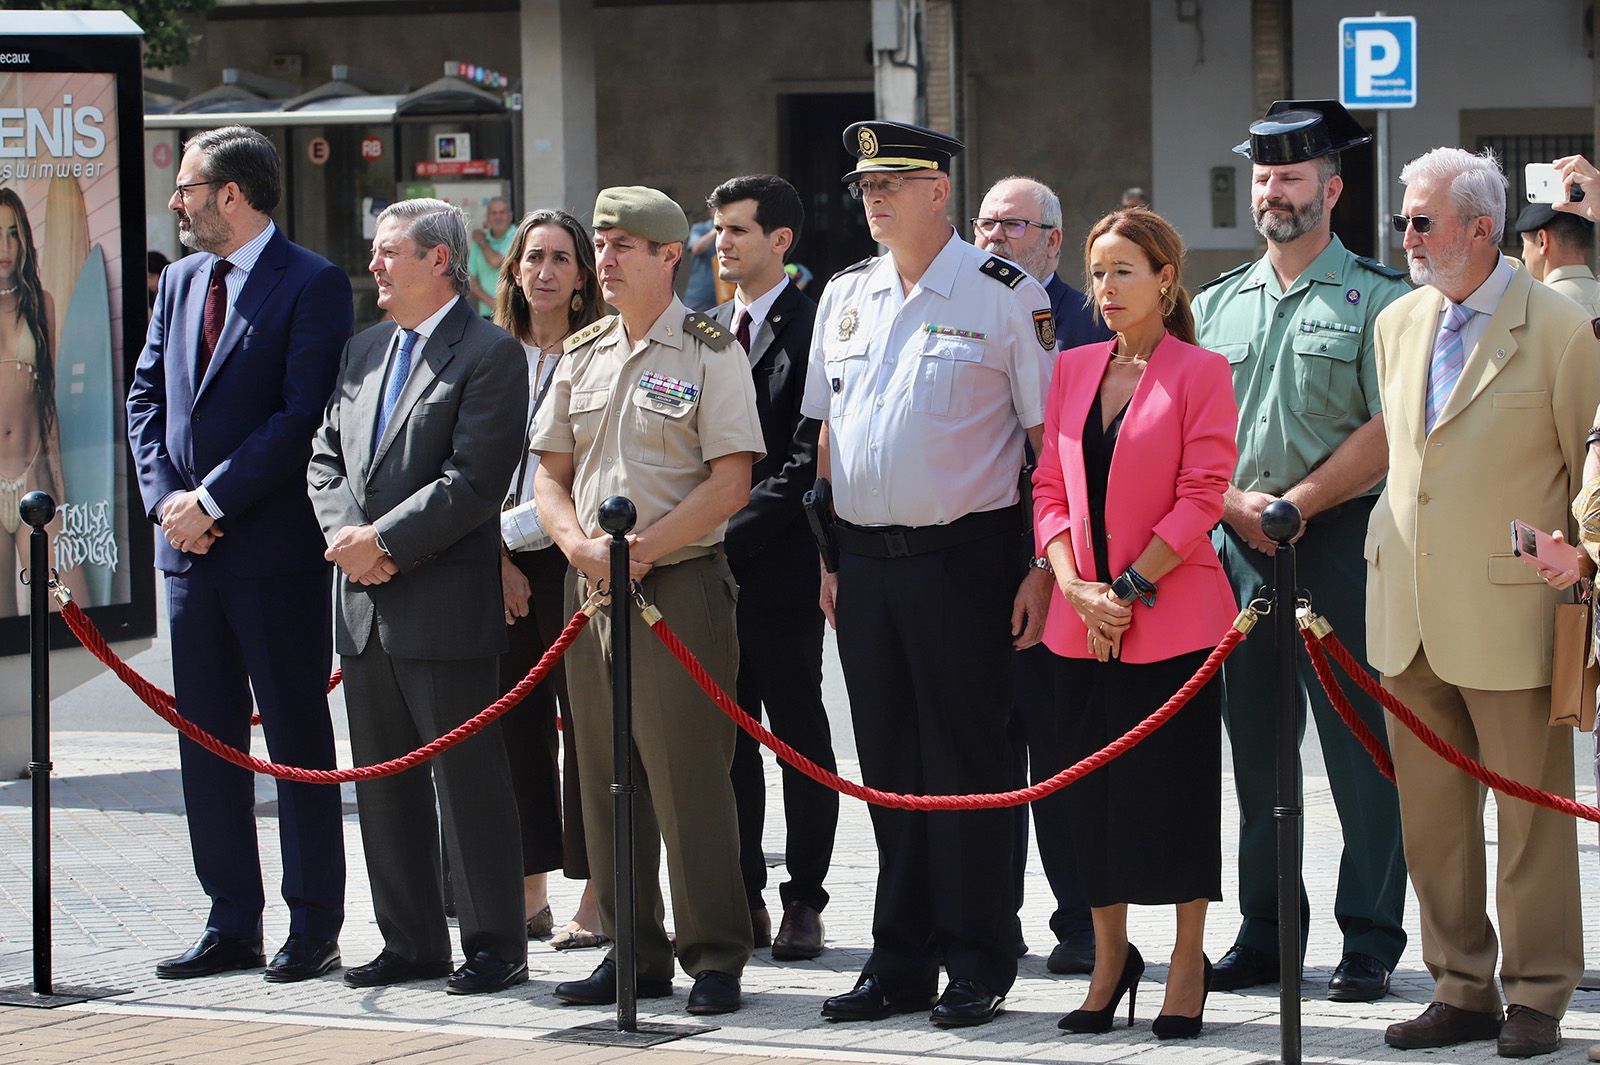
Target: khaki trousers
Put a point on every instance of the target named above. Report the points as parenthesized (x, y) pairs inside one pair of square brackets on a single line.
[(1441, 815), (683, 748)]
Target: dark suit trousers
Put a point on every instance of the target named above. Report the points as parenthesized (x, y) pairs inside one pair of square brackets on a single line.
[(1370, 899), (549, 807), (925, 643), (232, 635), (780, 671), (1041, 740), (397, 705)]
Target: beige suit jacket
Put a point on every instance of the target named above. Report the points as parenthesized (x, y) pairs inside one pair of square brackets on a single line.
[(1509, 444)]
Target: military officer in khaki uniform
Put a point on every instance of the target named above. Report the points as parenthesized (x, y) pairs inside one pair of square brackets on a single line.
[(656, 404), (1296, 325)]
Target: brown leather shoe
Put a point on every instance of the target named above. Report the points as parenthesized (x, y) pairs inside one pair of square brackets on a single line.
[(760, 928), (1527, 1033), (799, 935), (1442, 1025)]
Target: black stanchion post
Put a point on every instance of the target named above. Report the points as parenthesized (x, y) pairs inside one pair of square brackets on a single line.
[(1281, 522), (617, 516), (37, 510)]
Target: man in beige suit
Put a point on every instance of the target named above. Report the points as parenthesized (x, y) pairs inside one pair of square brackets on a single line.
[(1488, 381)]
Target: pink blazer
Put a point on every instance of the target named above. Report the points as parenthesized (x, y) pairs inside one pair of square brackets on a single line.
[(1175, 454)]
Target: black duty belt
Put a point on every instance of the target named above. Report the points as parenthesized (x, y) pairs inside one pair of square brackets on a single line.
[(904, 541)]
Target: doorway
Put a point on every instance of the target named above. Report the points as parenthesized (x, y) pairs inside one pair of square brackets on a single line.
[(813, 158)]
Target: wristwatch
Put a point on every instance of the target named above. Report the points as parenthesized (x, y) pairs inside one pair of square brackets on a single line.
[(1040, 562), (1594, 437), (1124, 588)]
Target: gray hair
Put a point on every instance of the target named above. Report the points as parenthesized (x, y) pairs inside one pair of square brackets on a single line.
[(1049, 203), (1476, 184), (431, 223)]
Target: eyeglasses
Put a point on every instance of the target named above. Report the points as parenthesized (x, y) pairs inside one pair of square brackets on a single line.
[(179, 189), (886, 185), (1011, 227)]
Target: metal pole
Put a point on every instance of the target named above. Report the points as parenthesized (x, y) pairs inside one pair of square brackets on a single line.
[(37, 510), (1380, 250), (617, 516), (1281, 522)]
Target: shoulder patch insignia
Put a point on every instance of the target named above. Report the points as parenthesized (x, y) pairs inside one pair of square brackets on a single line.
[(853, 267), (1008, 274), (1379, 268), (710, 333), (587, 333), (1235, 272), (1044, 329)]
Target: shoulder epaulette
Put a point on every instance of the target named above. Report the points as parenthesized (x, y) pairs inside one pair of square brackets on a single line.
[(587, 333), (710, 333), (1008, 274), (853, 267), (1235, 272), (1379, 268)]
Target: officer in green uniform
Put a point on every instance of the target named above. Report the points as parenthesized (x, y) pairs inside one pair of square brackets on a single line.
[(1296, 326)]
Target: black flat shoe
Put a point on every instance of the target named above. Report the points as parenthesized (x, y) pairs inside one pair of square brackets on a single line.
[(390, 968), (1071, 956), (599, 988), (964, 1003), (1244, 967), (871, 1002), (1093, 1022), (714, 992), (1177, 1026), (302, 958), (212, 953), (1359, 978), (484, 973)]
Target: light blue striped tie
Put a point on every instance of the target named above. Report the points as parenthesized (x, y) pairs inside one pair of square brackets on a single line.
[(1449, 355), (397, 381)]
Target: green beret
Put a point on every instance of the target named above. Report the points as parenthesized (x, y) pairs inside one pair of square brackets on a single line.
[(642, 211)]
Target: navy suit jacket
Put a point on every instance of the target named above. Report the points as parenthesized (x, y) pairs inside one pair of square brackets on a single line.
[(245, 430), (1076, 324)]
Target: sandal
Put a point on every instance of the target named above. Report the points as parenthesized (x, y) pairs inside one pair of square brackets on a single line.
[(573, 936), (540, 924)]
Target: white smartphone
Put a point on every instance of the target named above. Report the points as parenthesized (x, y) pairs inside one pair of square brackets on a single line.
[(1544, 185)]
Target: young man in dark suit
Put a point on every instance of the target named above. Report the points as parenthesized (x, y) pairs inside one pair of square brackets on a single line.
[(770, 549), (242, 352), (416, 449)]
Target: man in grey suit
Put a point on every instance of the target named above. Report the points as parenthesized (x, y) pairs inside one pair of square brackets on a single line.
[(418, 443)]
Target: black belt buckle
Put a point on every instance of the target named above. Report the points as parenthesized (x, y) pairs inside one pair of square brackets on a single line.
[(894, 542)]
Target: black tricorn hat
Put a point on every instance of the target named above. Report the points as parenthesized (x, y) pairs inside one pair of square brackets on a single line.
[(889, 147), (1296, 130)]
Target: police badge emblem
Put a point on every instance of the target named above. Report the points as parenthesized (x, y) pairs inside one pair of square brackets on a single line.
[(867, 141), (847, 324), (1044, 328)]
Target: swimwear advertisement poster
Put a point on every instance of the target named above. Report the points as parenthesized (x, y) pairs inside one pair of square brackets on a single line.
[(72, 315)]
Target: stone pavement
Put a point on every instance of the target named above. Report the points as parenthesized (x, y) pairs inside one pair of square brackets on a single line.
[(124, 896)]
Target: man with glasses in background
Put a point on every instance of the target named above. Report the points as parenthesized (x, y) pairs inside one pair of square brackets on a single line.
[(1020, 219), (1297, 327), (928, 369)]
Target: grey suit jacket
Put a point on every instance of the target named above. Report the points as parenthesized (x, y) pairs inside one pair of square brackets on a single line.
[(432, 486)]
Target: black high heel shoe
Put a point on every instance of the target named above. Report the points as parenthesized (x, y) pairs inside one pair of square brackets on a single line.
[(1176, 1026), (1091, 1022)]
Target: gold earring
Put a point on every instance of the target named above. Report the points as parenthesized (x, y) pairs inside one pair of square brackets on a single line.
[(576, 302)]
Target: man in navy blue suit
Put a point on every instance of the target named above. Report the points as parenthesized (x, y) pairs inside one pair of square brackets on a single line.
[(241, 357)]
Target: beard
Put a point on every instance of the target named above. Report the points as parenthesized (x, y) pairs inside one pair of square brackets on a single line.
[(1302, 219), (206, 230), (1445, 268)]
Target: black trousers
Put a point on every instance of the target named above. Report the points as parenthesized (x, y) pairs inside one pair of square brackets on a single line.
[(780, 672), (925, 643)]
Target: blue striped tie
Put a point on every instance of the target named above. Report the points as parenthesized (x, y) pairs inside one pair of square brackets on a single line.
[(1449, 355), (397, 381)]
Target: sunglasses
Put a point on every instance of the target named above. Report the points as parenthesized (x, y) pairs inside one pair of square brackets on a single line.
[(1420, 222)]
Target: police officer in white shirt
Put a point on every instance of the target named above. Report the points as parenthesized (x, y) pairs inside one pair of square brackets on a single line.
[(929, 367)]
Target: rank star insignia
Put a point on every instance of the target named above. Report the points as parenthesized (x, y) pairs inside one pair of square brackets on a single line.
[(867, 141), (850, 319)]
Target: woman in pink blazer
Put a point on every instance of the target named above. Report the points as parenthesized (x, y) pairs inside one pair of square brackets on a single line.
[(1138, 447)]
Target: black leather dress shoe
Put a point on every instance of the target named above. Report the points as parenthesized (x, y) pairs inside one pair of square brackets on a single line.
[(484, 973), (1359, 978), (389, 968), (871, 1002), (1243, 967), (301, 958), (714, 992), (212, 953), (1073, 955), (965, 1002), (599, 988)]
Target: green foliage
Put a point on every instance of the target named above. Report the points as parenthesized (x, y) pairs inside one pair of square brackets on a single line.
[(167, 40)]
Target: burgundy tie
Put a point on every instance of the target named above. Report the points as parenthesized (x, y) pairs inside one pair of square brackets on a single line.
[(741, 329), (216, 313)]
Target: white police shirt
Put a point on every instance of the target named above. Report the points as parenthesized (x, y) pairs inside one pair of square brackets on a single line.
[(927, 395)]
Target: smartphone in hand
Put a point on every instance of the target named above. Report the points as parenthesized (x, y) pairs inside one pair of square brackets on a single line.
[(1538, 548), (1544, 185)]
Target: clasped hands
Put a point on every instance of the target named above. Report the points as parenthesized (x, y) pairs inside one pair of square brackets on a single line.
[(592, 558), (187, 526), (355, 550), (1105, 616), (1242, 512)]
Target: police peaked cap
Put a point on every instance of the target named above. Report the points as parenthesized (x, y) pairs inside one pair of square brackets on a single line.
[(891, 147), (1296, 130)]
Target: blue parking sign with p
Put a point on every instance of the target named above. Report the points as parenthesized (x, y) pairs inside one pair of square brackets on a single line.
[(1378, 62)]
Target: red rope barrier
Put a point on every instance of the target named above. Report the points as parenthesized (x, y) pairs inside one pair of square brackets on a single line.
[(161, 703), (1407, 717), (1341, 703), (982, 801)]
